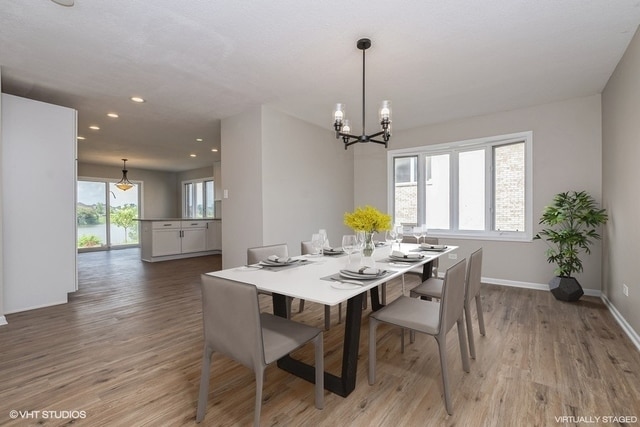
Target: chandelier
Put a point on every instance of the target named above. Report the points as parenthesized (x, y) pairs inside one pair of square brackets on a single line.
[(124, 184), (341, 124)]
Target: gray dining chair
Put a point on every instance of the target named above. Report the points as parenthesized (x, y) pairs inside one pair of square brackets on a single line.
[(260, 253), (432, 288), (234, 327), (430, 318), (305, 249), (417, 271)]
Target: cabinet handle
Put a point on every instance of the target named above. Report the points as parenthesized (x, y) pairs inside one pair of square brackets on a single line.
[(194, 223), (166, 225)]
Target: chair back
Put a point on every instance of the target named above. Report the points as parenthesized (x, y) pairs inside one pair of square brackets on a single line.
[(306, 248), (432, 241), (231, 320), (474, 275), (453, 293), (259, 253)]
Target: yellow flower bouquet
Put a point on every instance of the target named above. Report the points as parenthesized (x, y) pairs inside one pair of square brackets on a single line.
[(367, 219)]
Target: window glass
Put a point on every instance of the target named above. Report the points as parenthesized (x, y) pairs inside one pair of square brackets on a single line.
[(437, 192), (509, 194), (471, 195), (405, 190)]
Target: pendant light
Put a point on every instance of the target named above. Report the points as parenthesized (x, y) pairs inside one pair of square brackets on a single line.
[(124, 184), (342, 126)]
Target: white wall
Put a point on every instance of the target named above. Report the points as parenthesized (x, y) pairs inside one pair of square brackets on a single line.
[(621, 177), (160, 197), (286, 179), (566, 156), (307, 181), (241, 152), (39, 187)]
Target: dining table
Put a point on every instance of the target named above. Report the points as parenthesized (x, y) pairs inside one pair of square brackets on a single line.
[(318, 279)]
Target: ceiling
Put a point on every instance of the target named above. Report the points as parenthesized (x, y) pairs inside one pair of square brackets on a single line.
[(200, 61)]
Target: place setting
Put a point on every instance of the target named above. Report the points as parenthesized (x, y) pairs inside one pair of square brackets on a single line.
[(355, 276), (401, 259)]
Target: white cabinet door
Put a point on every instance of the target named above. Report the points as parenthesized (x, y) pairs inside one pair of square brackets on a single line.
[(214, 236), (166, 242), (194, 240)]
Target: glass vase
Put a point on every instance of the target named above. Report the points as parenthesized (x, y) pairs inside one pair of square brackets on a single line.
[(369, 246)]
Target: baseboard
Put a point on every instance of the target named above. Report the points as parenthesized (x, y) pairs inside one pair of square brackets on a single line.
[(3, 321), (531, 285), (626, 327)]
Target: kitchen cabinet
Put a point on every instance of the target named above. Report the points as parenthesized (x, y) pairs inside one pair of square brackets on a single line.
[(175, 238)]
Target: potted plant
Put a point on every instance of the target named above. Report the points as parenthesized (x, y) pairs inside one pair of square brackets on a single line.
[(571, 222)]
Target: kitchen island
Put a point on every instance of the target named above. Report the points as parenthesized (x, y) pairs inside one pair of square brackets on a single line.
[(164, 239)]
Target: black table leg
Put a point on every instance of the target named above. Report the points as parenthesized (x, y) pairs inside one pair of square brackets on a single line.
[(341, 385), (427, 269)]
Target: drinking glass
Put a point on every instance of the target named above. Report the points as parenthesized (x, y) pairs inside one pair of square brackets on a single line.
[(316, 243), (324, 238), (390, 237), (399, 236), (360, 234), (349, 243)]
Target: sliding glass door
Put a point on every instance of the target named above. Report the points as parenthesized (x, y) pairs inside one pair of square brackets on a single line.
[(106, 216)]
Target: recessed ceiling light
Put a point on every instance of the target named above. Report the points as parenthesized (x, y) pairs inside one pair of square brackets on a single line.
[(137, 99), (94, 127), (198, 139), (113, 115), (192, 155), (80, 138), (215, 150)]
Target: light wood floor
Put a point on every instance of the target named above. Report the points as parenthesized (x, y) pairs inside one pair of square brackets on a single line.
[(126, 350)]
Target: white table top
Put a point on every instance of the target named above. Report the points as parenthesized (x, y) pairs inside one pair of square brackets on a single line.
[(304, 281)]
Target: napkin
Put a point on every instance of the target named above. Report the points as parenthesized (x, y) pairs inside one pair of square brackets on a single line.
[(365, 270), (429, 246), (280, 260), (398, 254)]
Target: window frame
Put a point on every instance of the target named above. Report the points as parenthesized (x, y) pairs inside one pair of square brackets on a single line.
[(193, 182), (453, 149)]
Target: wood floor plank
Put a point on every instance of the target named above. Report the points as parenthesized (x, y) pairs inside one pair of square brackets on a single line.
[(127, 347)]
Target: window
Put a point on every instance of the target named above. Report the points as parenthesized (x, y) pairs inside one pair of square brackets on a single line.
[(477, 188), (197, 197)]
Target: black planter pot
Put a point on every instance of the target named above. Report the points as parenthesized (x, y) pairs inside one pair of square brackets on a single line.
[(565, 288)]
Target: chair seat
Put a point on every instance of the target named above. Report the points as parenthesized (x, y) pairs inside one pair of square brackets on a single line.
[(412, 313), (431, 287), (281, 336)]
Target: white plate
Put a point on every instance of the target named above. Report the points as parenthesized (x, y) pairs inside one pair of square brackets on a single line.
[(344, 286), (357, 276)]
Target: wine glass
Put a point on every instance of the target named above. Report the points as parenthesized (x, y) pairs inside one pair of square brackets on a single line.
[(399, 236), (349, 243), (324, 238), (316, 243), (360, 234), (390, 237)]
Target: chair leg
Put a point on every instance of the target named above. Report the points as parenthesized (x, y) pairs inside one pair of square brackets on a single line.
[(480, 315), (204, 384), (463, 345), (401, 340), (327, 317), (319, 368), (412, 336), (467, 318), (373, 325), (301, 306), (442, 349), (258, 408)]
